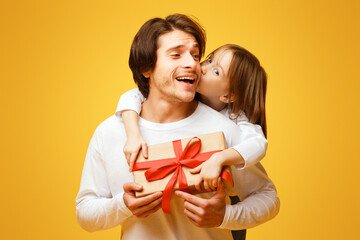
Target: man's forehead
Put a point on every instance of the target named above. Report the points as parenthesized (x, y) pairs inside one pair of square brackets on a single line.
[(177, 39)]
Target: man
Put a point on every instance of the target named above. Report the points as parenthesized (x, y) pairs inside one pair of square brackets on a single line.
[(164, 59)]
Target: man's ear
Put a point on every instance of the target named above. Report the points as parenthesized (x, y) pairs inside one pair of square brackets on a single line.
[(226, 98)]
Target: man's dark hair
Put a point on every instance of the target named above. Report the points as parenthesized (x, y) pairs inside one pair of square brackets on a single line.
[(143, 49)]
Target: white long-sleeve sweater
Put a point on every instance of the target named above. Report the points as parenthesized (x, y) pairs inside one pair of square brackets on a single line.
[(100, 204)]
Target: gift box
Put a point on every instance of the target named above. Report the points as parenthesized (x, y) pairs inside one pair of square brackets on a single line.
[(168, 164)]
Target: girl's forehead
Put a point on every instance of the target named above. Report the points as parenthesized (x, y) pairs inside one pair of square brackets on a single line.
[(223, 57), (220, 53)]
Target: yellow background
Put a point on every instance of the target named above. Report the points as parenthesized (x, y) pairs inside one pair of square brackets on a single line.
[(63, 67)]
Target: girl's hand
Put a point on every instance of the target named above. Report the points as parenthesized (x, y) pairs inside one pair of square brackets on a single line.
[(209, 173), (132, 148)]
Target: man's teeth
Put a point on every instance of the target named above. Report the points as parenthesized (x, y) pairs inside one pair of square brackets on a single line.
[(188, 79)]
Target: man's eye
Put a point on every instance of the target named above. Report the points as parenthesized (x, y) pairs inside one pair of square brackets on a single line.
[(216, 72), (196, 56), (175, 55)]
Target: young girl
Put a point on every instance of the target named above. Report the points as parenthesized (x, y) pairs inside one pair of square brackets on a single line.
[(233, 83)]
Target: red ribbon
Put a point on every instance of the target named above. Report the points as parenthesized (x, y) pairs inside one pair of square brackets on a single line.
[(189, 157)]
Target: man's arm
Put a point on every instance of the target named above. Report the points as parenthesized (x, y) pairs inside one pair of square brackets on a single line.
[(259, 199), (260, 207), (96, 208)]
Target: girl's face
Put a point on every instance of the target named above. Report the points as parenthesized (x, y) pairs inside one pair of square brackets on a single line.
[(214, 81)]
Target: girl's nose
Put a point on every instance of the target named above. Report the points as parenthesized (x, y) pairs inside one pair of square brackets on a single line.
[(203, 70)]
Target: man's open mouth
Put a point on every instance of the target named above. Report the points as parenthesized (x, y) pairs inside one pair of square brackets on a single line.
[(186, 79)]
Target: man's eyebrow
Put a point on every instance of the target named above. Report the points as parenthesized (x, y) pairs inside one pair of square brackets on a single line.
[(175, 47), (196, 45)]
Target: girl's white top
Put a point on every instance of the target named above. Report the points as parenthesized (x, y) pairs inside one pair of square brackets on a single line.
[(252, 145)]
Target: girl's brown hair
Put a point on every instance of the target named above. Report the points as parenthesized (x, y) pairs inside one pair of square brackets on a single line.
[(247, 87)]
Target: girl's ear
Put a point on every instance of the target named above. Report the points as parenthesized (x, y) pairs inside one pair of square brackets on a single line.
[(146, 74), (226, 99)]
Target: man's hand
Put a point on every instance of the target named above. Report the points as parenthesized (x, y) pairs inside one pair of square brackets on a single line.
[(141, 206), (205, 213)]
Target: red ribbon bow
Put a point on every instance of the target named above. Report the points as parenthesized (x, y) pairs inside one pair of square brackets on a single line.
[(189, 157)]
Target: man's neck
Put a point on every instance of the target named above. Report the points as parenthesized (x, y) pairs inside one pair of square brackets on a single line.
[(162, 111)]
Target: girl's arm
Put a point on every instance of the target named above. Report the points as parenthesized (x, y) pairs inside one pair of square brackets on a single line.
[(131, 100), (134, 141), (129, 108), (253, 143), (211, 169), (251, 150)]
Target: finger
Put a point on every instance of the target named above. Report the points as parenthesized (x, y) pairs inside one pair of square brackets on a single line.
[(145, 150), (131, 194), (220, 192), (214, 184), (145, 214), (206, 186), (141, 201), (195, 170), (198, 184), (127, 157), (148, 207), (192, 217), (132, 186), (191, 198), (132, 161), (196, 210), (211, 186)]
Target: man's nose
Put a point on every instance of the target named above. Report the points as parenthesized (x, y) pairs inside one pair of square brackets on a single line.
[(190, 61)]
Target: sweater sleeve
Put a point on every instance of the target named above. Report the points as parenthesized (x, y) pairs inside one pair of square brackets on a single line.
[(131, 100), (96, 208), (261, 206), (253, 144), (259, 199)]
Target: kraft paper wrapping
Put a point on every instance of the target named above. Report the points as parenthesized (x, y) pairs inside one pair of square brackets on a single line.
[(209, 142)]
